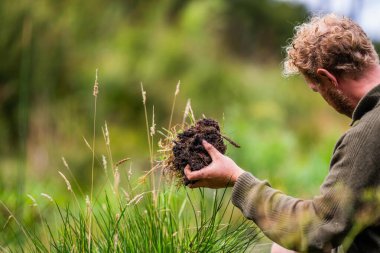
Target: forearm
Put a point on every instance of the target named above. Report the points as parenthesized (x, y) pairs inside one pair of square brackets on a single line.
[(345, 199), (302, 225)]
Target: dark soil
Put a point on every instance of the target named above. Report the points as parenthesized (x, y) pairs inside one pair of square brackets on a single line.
[(188, 148)]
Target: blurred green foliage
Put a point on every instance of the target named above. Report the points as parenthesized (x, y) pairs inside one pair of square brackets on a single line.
[(227, 55), (259, 29)]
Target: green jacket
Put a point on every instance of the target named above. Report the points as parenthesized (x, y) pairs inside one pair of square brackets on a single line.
[(347, 211)]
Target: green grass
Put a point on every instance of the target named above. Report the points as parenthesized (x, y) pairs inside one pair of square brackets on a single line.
[(127, 213), (180, 220)]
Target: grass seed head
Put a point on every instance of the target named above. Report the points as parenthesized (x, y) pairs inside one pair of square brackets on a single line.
[(33, 200), (8, 220), (116, 180), (116, 241), (122, 161), (177, 88), (143, 92), (66, 181), (106, 134), (136, 199), (153, 127), (47, 196), (65, 163), (127, 198), (188, 112), (96, 85), (104, 161), (130, 172), (88, 204)]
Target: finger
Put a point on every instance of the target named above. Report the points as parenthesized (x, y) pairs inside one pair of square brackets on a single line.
[(187, 171), (211, 150), (198, 184), (194, 175)]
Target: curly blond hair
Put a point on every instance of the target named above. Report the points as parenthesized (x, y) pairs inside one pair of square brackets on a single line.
[(334, 43)]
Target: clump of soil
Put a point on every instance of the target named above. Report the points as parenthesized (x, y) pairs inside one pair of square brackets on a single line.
[(188, 148)]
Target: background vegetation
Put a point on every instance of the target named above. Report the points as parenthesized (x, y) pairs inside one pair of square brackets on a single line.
[(227, 55)]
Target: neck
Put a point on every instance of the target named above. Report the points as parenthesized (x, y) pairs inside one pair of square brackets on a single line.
[(355, 89)]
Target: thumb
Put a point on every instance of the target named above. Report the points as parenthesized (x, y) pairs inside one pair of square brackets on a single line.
[(211, 150)]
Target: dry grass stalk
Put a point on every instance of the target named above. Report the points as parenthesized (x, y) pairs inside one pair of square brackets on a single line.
[(69, 188), (16, 220), (71, 174), (166, 145), (136, 199), (173, 105), (107, 139), (188, 112), (166, 150), (177, 88), (33, 199), (143, 92), (115, 241), (122, 161), (39, 213), (116, 181), (66, 181), (104, 161), (149, 141), (47, 196), (127, 197), (87, 144), (142, 179), (146, 120), (7, 222), (130, 172), (95, 93), (65, 163), (106, 134), (96, 85), (88, 205), (153, 127)]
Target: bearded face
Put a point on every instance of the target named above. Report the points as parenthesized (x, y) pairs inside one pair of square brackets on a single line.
[(333, 96), (337, 99)]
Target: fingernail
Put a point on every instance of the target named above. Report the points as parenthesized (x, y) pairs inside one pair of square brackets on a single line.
[(204, 142)]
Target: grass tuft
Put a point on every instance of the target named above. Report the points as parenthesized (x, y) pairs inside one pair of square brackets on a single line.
[(121, 219)]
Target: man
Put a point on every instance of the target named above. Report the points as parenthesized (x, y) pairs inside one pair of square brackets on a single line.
[(338, 61)]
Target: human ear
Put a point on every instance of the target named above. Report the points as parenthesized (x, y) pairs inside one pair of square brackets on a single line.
[(324, 74)]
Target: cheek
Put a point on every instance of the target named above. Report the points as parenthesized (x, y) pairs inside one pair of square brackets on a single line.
[(325, 94)]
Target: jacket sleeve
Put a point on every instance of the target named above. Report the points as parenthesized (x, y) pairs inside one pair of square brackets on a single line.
[(322, 223)]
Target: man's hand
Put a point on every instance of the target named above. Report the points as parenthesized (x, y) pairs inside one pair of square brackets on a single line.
[(222, 172)]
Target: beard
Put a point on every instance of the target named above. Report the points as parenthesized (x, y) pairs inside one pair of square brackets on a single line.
[(339, 101)]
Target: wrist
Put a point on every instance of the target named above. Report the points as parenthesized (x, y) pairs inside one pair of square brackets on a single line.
[(236, 175)]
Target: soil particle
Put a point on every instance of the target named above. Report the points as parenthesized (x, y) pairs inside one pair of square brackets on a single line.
[(188, 148)]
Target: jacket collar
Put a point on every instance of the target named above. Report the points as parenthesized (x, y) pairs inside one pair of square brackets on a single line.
[(366, 104)]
